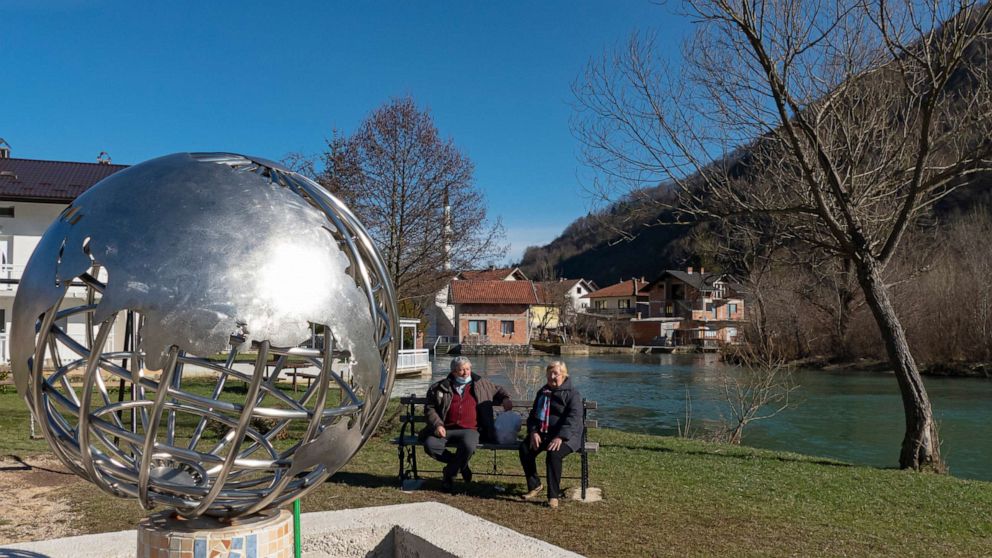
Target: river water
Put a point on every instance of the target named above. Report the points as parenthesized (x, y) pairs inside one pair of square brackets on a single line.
[(851, 416)]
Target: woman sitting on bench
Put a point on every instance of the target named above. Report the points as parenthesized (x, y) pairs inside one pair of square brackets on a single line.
[(554, 425)]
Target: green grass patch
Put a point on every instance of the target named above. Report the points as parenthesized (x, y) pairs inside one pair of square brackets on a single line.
[(662, 497)]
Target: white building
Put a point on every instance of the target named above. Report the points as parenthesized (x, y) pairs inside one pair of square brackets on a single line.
[(576, 290), (32, 194)]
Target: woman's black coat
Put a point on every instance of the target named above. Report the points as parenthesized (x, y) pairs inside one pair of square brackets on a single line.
[(565, 421)]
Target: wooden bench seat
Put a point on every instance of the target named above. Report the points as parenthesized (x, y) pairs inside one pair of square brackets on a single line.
[(414, 420)]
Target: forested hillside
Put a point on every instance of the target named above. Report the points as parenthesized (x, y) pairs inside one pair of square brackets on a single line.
[(591, 247)]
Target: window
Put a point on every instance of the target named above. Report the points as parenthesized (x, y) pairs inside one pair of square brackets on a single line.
[(477, 327), (732, 309), (3, 320), (710, 333), (506, 327), (623, 303), (731, 332), (6, 211), (600, 304)]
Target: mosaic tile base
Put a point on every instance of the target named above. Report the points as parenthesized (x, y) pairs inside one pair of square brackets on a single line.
[(268, 536)]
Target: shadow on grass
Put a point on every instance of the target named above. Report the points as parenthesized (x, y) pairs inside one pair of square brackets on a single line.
[(637, 448), (366, 480), (487, 489), (742, 455), (780, 458), (25, 466)]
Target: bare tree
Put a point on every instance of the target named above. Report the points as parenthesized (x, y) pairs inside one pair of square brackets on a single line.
[(415, 193), (303, 163), (556, 311), (760, 389), (856, 116), (524, 374), (829, 286)]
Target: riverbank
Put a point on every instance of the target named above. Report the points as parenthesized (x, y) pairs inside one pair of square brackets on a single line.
[(939, 369), (663, 496), (579, 349)]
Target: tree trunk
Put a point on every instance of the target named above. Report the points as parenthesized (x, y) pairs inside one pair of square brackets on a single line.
[(737, 433), (920, 445)]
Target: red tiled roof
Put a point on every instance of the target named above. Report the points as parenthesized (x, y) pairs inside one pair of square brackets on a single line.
[(488, 274), (549, 291), (624, 288), (49, 181), (492, 292)]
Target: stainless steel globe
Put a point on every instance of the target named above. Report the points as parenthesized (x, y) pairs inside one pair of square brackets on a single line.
[(160, 314)]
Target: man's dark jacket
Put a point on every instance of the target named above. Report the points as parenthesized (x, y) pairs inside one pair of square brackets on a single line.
[(486, 394), (565, 421)]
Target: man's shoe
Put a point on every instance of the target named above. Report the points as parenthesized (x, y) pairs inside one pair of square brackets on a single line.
[(448, 480), (466, 474), (533, 493), (553, 503)]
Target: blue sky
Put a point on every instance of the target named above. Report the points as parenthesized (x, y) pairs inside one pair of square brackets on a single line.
[(266, 79)]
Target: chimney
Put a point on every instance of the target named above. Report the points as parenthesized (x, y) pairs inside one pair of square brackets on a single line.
[(103, 158), (702, 270), (689, 270), (4, 149)]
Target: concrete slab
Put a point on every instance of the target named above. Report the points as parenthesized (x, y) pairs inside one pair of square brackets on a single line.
[(421, 529), (593, 494)]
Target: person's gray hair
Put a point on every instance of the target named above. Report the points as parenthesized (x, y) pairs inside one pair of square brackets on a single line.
[(458, 361)]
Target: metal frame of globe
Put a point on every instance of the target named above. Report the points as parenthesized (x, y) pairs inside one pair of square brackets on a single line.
[(157, 463)]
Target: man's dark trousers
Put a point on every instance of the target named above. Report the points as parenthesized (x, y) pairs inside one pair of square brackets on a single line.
[(464, 439)]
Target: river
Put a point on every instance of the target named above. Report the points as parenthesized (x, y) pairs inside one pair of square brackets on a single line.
[(851, 416)]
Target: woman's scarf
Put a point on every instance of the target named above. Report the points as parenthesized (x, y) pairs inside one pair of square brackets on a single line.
[(544, 404)]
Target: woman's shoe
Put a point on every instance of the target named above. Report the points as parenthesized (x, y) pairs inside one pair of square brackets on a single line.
[(553, 503), (533, 493)]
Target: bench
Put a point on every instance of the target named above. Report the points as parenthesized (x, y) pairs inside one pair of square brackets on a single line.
[(413, 420)]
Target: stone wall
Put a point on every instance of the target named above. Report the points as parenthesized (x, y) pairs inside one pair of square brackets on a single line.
[(479, 349)]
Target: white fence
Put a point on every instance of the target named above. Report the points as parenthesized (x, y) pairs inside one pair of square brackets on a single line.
[(413, 358)]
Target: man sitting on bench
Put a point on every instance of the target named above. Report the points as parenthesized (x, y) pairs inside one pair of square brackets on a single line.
[(459, 408)]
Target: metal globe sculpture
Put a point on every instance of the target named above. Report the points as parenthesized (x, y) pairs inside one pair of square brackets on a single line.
[(160, 312)]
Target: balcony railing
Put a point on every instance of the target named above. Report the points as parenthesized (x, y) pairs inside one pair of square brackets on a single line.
[(413, 358), (611, 311), (10, 275), (442, 340)]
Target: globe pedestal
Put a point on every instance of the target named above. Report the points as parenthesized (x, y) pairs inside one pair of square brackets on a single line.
[(268, 534)]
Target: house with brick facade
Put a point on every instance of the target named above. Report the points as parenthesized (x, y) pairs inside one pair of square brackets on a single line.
[(441, 314), (690, 308), (623, 299), (492, 313)]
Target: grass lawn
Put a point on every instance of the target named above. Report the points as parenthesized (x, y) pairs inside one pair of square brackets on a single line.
[(662, 497)]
